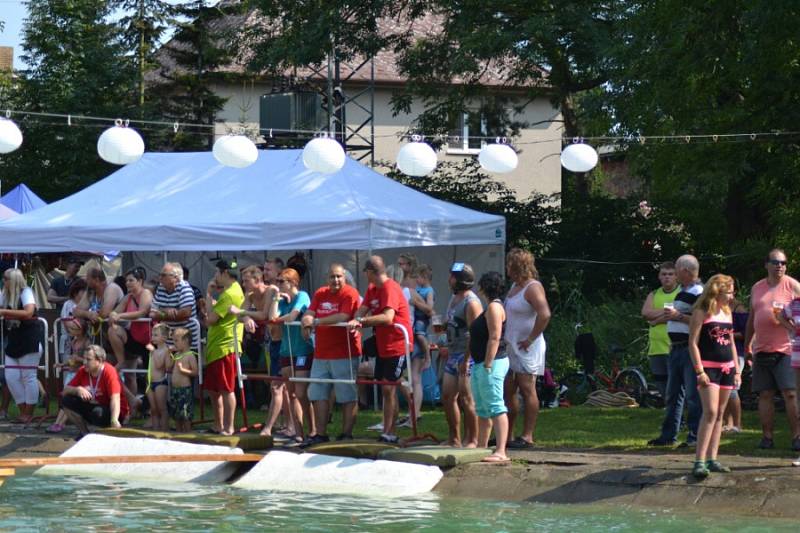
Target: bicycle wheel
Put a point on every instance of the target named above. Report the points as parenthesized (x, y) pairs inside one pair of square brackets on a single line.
[(632, 382), (578, 387)]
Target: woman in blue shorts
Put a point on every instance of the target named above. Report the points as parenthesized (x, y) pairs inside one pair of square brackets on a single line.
[(491, 367)]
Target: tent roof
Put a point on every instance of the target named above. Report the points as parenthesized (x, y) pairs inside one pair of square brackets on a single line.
[(189, 202), (21, 199)]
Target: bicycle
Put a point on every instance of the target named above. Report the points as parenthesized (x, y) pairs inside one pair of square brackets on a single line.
[(631, 380)]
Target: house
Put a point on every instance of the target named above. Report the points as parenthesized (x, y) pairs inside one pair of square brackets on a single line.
[(260, 104)]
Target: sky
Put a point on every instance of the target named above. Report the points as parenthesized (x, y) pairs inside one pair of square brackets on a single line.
[(12, 12)]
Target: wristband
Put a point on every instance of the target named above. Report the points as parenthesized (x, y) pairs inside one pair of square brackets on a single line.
[(315, 322)]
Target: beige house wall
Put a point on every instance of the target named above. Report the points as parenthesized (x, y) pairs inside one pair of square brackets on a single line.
[(539, 145)]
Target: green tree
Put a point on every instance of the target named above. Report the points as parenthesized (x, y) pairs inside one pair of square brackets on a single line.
[(182, 88), (76, 64), (144, 25), (719, 67)]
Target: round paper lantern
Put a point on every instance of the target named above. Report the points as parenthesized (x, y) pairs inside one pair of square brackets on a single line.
[(235, 151), (499, 158), (416, 159), (10, 136), (323, 155), (120, 145), (579, 157)]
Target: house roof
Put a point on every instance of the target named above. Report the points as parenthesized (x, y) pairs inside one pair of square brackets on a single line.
[(387, 70)]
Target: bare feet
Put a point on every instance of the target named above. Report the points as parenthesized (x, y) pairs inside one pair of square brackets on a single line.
[(472, 444)]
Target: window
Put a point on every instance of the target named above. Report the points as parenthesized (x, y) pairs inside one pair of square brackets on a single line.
[(473, 131)]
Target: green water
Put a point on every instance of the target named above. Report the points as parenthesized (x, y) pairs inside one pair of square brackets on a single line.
[(32, 503)]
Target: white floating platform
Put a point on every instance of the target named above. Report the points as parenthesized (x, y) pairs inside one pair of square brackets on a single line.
[(100, 445), (308, 472)]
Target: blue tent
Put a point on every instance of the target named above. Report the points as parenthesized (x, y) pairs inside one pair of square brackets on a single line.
[(21, 199)]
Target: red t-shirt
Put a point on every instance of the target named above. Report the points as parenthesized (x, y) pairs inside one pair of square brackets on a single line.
[(107, 383), (329, 341), (390, 340)]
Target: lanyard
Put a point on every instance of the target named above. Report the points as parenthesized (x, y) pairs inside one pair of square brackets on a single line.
[(93, 387)]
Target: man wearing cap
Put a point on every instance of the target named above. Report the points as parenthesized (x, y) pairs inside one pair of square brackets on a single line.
[(59, 288), (463, 308), (220, 372), (385, 306)]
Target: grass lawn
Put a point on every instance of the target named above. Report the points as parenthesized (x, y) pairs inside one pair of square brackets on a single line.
[(587, 428)]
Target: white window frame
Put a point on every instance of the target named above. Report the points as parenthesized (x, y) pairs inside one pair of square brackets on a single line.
[(464, 148)]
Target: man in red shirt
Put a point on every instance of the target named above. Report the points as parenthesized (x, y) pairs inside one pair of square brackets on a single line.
[(384, 307), (94, 394), (336, 352)]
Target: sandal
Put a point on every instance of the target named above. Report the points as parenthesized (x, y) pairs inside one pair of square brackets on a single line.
[(54, 428), (520, 444), (496, 459)]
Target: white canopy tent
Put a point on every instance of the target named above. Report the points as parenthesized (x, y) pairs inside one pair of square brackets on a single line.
[(187, 202)]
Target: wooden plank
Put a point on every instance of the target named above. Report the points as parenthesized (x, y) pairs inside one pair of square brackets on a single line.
[(23, 462), (6, 472)]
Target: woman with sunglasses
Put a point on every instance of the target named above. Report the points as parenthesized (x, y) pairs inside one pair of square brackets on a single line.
[(128, 339), (297, 353)]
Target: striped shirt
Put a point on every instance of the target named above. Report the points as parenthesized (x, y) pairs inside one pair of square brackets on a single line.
[(684, 302), (181, 297)]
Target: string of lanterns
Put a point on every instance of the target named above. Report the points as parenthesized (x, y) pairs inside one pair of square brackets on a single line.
[(123, 145)]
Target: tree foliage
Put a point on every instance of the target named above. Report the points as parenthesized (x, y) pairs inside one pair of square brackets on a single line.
[(76, 65), (721, 67), (182, 90)]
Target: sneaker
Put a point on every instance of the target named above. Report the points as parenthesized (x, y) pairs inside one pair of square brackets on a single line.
[(688, 444), (390, 439), (766, 443), (404, 422), (376, 427), (796, 444), (700, 470), (344, 436), (715, 466), (660, 441), (314, 439)]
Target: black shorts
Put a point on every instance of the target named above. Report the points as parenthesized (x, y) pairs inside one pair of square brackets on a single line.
[(135, 350), (389, 368), (95, 414)]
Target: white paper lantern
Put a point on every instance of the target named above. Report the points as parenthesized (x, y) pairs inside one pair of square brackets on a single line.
[(416, 159), (579, 157), (120, 145), (235, 151), (10, 136), (323, 155), (498, 158)]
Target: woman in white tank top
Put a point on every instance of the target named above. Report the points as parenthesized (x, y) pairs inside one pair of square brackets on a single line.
[(527, 314)]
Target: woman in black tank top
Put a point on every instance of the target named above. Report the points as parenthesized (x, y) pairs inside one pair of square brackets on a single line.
[(713, 354), (491, 367)]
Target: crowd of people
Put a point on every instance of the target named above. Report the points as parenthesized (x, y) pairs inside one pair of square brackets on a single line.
[(115, 330), (701, 338)]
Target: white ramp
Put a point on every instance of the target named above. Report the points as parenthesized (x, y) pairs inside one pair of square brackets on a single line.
[(308, 472), (101, 445)]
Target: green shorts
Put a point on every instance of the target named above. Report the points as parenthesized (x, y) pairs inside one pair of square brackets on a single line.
[(181, 403)]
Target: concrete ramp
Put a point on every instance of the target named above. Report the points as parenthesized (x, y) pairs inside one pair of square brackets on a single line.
[(102, 445), (309, 472)]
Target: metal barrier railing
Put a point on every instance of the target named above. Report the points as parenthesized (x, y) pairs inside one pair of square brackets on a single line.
[(242, 377)]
